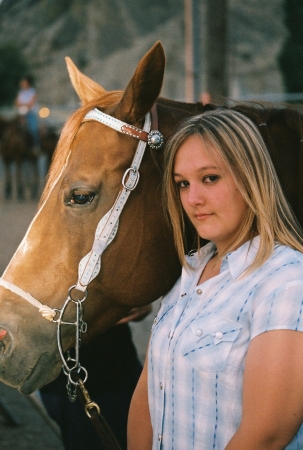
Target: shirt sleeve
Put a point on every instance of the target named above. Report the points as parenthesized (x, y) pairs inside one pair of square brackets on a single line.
[(279, 310)]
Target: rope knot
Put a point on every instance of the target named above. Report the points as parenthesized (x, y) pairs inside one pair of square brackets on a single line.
[(47, 312)]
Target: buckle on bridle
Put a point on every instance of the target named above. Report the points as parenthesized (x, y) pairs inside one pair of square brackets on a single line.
[(133, 179)]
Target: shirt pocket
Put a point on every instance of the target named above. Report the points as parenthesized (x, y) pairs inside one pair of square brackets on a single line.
[(208, 342)]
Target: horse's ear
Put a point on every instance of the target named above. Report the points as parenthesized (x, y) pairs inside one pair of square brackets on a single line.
[(86, 88), (144, 87)]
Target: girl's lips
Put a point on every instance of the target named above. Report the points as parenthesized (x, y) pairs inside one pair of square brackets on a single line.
[(202, 216)]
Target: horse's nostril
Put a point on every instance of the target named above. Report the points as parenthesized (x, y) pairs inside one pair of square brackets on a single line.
[(4, 341), (3, 333)]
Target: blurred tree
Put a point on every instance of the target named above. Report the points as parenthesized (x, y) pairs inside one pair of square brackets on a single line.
[(13, 66), (291, 56)]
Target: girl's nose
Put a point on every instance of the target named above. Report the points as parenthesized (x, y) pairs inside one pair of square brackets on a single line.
[(195, 196)]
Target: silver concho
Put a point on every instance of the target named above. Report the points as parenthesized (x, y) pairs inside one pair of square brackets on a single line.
[(155, 139)]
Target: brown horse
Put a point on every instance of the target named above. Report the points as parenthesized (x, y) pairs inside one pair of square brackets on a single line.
[(48, 142), (16, 146), (3, 125), (141, 263)]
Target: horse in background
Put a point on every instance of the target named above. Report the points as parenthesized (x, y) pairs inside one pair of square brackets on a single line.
[(16, 147), (48, 141), (91, 162), (3, 125), (20, 158)]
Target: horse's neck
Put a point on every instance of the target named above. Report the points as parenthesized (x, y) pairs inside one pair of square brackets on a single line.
[(170, 115)]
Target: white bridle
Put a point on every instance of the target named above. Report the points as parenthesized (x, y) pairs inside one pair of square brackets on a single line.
[(90, 265)]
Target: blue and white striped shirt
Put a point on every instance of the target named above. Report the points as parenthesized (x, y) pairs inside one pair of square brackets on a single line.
[(200, 338)]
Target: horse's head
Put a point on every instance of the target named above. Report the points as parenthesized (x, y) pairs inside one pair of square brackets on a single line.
[(138, 266)]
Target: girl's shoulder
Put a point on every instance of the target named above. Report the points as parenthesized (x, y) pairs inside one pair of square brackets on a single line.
[(287, 259), (287, 253)]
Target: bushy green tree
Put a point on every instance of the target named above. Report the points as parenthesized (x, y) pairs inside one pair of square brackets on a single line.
[(291, 56), (13, 66)]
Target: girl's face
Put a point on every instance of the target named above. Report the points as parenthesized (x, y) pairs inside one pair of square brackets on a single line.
[(209, 194)]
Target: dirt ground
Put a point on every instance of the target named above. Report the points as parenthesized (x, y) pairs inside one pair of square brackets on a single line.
[(22, 424)]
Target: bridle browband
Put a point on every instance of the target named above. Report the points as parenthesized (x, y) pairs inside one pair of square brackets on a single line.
[(90, 265), (153, 137)]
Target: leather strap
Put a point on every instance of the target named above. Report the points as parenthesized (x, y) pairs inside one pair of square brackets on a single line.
[(154, 117), (116, 124), (137, 132), (98, 420)]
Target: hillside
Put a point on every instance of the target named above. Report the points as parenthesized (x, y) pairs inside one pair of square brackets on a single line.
[(107, 38)]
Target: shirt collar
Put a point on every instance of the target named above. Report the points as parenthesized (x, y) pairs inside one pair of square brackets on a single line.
[(196, 259), (240, 259), (237, 261)]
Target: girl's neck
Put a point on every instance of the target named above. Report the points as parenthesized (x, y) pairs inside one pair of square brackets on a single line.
[(212, 268)]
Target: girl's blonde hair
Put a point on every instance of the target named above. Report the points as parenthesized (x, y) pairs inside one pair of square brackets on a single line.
[(237, 140)]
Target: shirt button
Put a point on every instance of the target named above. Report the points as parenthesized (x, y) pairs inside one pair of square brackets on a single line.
[(161, 385), (199, 332), (155, 320), (219, 335), (199, 292), (159, 437)]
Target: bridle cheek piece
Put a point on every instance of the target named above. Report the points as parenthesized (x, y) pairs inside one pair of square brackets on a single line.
[(90, 265)]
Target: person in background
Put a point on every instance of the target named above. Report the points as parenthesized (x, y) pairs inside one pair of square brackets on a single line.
[(224, 366), (113, 371), (205, 98), (26, 102)]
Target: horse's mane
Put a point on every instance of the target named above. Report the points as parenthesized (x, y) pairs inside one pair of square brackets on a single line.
[(68, 134), (264, 113), (191, 108), (276, 122)]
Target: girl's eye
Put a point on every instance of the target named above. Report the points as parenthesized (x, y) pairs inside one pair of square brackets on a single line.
[(210, 178), (80, 198), (182, 184)]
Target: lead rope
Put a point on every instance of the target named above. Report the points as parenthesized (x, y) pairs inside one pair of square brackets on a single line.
[(98, 420)]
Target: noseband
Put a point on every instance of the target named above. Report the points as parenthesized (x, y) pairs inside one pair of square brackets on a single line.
[(90, 265)]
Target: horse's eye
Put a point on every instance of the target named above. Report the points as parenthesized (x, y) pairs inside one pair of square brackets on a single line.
[(80, 198)]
